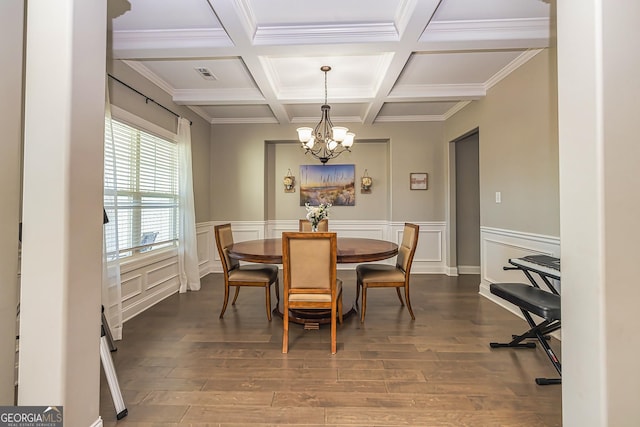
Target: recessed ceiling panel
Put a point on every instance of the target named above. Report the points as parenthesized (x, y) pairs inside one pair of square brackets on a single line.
[(287, 12), (463, 10), (228, 72), (166, 15), (455, 68), (390, 61), (355, 76)]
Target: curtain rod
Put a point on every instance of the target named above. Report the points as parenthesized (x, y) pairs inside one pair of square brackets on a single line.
[(146, 98)]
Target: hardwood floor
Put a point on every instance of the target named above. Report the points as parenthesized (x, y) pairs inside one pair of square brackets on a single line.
[(179, 365)]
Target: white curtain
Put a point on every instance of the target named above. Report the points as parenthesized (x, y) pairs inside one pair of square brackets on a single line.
[(187, 244), (111, 284)]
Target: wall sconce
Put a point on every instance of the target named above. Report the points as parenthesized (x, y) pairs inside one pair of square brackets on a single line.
[(289, 182), (365, 183)]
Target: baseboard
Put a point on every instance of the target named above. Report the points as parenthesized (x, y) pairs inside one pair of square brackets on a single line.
[(468, 269), (97, 423)]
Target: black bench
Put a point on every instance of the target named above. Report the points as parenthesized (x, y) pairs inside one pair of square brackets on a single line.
[(533, 300)]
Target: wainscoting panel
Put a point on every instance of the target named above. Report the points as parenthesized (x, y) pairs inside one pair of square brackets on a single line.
[(428, 258), (146, 280), (498, 246), (161, 273), (131, 285), (206, 245)]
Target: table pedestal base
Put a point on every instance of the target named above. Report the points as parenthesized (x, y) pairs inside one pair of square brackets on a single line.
[(311, 318)]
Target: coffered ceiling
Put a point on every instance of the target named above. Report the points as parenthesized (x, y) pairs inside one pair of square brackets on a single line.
[(258, 61)]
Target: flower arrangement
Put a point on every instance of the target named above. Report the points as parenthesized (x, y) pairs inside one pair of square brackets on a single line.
[(315, 214)]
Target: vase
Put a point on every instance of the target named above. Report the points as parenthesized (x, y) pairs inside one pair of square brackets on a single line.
[(314, 227)]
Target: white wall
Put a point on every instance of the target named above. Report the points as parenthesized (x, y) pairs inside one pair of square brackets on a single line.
[(61, 268), (599, 101)]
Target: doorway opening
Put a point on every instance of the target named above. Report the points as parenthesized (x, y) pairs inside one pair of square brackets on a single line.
[(464, 204)]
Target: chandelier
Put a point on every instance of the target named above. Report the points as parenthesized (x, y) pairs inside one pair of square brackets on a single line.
[(325, 141)]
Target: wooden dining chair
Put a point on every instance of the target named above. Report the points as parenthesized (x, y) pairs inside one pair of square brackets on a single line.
[(238, 275), (389, 276), (309, 263), (305, 225)]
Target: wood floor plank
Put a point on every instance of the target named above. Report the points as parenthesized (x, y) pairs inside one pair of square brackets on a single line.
[(208, 398), (254, 414), (180, 365)]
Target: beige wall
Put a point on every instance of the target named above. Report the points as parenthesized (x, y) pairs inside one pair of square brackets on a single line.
[(518, 148), (241, 172), (11, 27), (373, 156), (130, 101)]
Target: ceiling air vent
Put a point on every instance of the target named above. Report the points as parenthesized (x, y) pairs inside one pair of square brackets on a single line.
[(205, 73)]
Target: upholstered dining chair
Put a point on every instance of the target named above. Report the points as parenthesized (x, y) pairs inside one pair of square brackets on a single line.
[(389, 276), (309, 263), (305, 225), (238, 275)]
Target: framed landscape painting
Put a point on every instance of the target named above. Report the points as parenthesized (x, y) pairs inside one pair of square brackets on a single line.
[(333, 184)]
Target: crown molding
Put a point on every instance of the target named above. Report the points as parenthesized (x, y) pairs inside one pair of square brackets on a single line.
[(314, 34), (170, 39), (511, 67), (453, 34), (407, 118), (459, 106), (150, 75), (413, 93), (233, 96)]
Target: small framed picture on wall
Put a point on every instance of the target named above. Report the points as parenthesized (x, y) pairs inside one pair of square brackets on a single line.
[(418, 181)]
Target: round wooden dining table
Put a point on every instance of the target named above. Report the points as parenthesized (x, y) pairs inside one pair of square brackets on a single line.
[(350, 250)]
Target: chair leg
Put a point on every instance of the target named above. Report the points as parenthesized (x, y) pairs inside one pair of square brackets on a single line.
[(235, 297), (363, 309), (277, 292), (268, 300), (399, 296), (226, 300), (358, 284), (285, 327), (406, 295), (334, 346)]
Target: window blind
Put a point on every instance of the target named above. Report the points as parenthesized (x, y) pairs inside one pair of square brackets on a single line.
[(141, 188)]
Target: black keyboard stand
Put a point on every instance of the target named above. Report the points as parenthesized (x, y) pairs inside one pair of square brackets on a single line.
[(534, 300)]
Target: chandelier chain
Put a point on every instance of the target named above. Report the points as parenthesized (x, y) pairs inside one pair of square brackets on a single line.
[(325, 141)]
